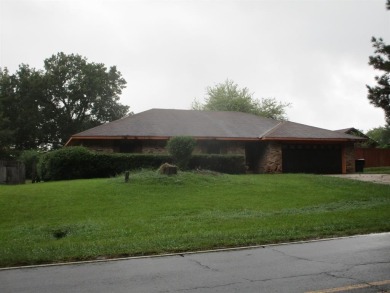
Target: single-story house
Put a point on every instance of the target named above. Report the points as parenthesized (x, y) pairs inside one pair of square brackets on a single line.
[(269, 146)]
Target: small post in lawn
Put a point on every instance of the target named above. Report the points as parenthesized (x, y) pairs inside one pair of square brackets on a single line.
[(127, 175)]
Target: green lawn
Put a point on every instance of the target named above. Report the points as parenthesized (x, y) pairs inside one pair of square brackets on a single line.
[(377, 170), (85, 219)]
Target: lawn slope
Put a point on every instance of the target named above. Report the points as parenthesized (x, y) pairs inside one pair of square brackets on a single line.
[(86, 219)]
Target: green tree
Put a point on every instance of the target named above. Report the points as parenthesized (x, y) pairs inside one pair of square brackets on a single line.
[(5, 125), (80, 94), (381, 135), (44, 108), (379, 95), (228, 96), (181, 148), (19, 103)]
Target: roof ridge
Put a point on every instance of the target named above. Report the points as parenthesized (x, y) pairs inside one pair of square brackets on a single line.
[(273, 128)]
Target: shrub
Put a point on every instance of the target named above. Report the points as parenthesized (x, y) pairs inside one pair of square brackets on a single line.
[(231, 164), (30, 159), (79, 162), (67, 163), (181, 147)]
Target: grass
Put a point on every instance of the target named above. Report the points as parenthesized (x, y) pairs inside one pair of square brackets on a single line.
[(88, 219), (377, 170)]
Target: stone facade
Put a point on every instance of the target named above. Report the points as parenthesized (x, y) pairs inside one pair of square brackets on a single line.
[(220, 147), (270, 158), (349, 154), (154, 147), (159, 146), (98, 145), (261, 157)]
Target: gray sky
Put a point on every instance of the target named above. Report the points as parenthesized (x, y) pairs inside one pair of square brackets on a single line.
[(313, 54)]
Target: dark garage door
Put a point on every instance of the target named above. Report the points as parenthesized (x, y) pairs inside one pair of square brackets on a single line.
[(313, 158)]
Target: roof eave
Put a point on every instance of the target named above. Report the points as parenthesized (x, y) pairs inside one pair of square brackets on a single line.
[(75, 138), (311, 139)]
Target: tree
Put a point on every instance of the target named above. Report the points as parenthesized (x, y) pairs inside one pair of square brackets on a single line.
[(80, 95), (381, 135), (379, 95), (19, 102), (181, 147), (44, 108), (5, 129), (228, 96)]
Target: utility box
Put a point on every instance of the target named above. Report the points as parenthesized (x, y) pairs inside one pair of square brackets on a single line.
[(359, 165)]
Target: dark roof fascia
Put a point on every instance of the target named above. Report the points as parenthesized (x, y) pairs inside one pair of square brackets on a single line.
[(300, 139), (157, 138)]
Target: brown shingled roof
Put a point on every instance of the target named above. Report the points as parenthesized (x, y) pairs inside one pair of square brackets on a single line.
[(169, 123), (166, 123), (296, 131)]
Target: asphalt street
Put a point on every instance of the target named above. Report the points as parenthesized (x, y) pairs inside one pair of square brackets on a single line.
[(356, 264)]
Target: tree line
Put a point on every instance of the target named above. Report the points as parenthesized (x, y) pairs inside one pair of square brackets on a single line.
[(41, 109), (379, 95)]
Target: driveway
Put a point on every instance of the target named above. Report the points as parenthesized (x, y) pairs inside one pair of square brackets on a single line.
[(340, 265), (376, 178)]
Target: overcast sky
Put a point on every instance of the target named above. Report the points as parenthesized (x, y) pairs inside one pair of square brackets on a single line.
[(312, 54)]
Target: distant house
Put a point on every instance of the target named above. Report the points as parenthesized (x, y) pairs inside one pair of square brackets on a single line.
[(368, 143), (269, 146)]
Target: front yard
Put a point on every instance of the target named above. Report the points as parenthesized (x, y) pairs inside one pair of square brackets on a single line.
[(152, 214)]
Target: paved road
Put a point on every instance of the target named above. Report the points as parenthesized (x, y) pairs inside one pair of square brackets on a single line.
[(358, 264)]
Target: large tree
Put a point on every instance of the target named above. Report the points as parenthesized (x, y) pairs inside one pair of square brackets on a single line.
[(19, 103), (227, 96), (44, 108), (80, 95), (381, 135), (379, 95), (5, 129)]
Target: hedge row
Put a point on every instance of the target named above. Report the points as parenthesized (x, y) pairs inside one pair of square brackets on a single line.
[(79, 162), (230, 164)]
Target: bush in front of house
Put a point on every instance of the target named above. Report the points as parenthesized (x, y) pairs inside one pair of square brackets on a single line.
[(30, 159), (67, 163), (119, 162), (79, 162), (230, 164), (181, 148)]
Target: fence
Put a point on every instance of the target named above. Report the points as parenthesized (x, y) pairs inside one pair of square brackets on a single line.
[(373, 157), (12, 172)]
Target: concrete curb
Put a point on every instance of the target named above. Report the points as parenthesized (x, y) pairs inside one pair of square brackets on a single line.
[(186, 253)]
